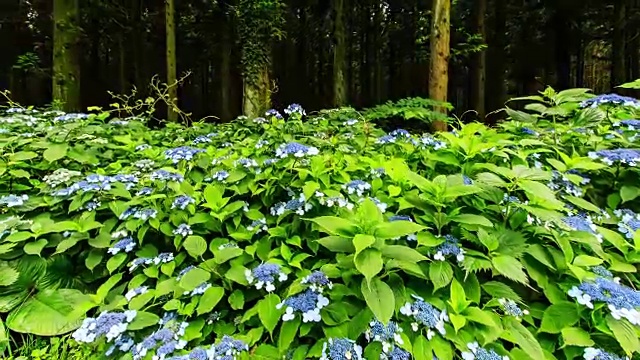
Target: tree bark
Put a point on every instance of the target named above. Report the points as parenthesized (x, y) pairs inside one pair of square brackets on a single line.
[(66, 59), (440, 52), (257, 93), (496, 71), (478, 68), (339, 55), (618, 72), (170, 25)]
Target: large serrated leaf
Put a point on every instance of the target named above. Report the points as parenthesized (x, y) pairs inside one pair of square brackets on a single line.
[(510, 267)]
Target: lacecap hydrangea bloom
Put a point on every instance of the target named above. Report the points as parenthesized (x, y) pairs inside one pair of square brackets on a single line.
[(14, 200), (629, 222), (182, 153), (613, 99), (450, 247), (298, 205), (425, 314), (296, 150), (478, 353), (623, 156), (108, 324), (295, 109), (308, 303), (265, 275), (599, 354), (622, 301), (183, 230), (341, 349), (511, 308), (388, 335), (357, 187)]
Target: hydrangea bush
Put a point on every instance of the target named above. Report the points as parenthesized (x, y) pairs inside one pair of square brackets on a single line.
[(323, 237)]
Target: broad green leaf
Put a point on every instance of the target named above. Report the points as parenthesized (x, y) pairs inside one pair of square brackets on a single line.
[(458, 298), (440, 273), (522, 337), (472, 219), (48, 313), (115, 261), (287, 335), (498, 290), (482, 317), (143, 320), (582, 203), (55, 152), (35, 248), (396, 229), (8, 275), (268, 313), (509, 267), (369, 263), (572, 336), (380, 299), (422, 349), (625, 333), (209, 299), (587, 261), (402, 253), (333, 225), (337, 244), (558, 316), (193, 278), (628, 193), (236, 300), (195, 246), (361, 242)]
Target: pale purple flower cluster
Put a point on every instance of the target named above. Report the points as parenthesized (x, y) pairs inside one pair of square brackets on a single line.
[(599, 354), (220, 175), (144, 164), (184, 271), (428, 141), (629, 222), (142, 214), (511, 308), (183, 230), (560, 182), (341, 349), (388, 335), (527, 131), (164, 175), (450, 247), (97, 182), (298, 205), (126, 244), (259, 225), (13, 200), (425, 314), (582, 222), (358, 187), (623, 156), (182, 201), (614, 99), (162, 258), (295, 109), (273, 112), (338, 201), (478, 353), (296, 150), (622, 301), (265, 275), (199, 290), (308, 303), (182, 153), (109, 324), (70, 117), (135, 292), (165, 341), (631, 124)]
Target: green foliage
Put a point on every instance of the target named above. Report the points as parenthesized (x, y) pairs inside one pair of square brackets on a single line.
[(424, 110), (495, 227)]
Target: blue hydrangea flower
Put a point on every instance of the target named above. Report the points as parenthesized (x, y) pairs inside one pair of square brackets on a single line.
[(426, 315), (135, 292), (220, 176), (144, 191), (629, 222), (341, 349), (511, 308), (397, 354), (164, 175), (265, 275), (599, 354), (229, 348), (295, 149), (13, 200), (560, 182), (317, 281), (92, 205), (202, 139), (622, 301), (624, 156), (309, 303), (350, 122), (357, 186), (70, 117), (398, 133), (145, 214), (631, 124), (273, 112), (614, 99), (247, 163), (338, 201), (143, 147), (261, 143), (166, 341), (261, 120), (295, 109), (602, 271), (183, 230), (144, 164), (184, 271), (478, 353), (126, 244), (182, 153), (450, 247), (123, 343), (386, 139), (582, 222), (428, 141), (467, 180), (298, 205), (182, 201), (199, 290), (377, 172), (388, 335), (109, 324), (528, 131), (260, 225)]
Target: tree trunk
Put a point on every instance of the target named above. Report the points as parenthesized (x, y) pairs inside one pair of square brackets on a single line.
[(257, 93), (66, 59), (478, 68), (225, 69), (440, 52), (496, 71), (170, 25), (618, 72), (339, 55)]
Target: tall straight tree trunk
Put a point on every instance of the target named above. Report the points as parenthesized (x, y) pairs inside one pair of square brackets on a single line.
[(440, 52), (225, 69), (339, 55), (256, 97), (66, 56), (478, 68), (618, 72), (170, 24), (496, 71)]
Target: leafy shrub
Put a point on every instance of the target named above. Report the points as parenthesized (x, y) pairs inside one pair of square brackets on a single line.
[(323, 237), (405, 112)]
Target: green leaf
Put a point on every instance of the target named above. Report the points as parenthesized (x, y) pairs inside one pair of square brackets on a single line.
[(55, 152), (572, 336), (523, 337), (21, 156), (628, 193), (195, 246), (209, 299), (509, 267), (498, 290), (8, 275), (114, 262), (236, 300), (93, 259), (482, 317), (48, 313), (379, 298), (35, 248), (624, 332), (471, 219), (402, 253), (587, 261), (369, 263), (193, 278), (361, 242), (396, 229), (337, 244), (287, 335), (558, 316), (422, 349), (582, 203), (537, 189), (440, 273), (268, 313), (333, 225), (143, 320), (458, 298)]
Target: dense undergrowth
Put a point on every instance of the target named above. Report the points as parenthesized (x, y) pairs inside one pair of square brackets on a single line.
[(302, 237)]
